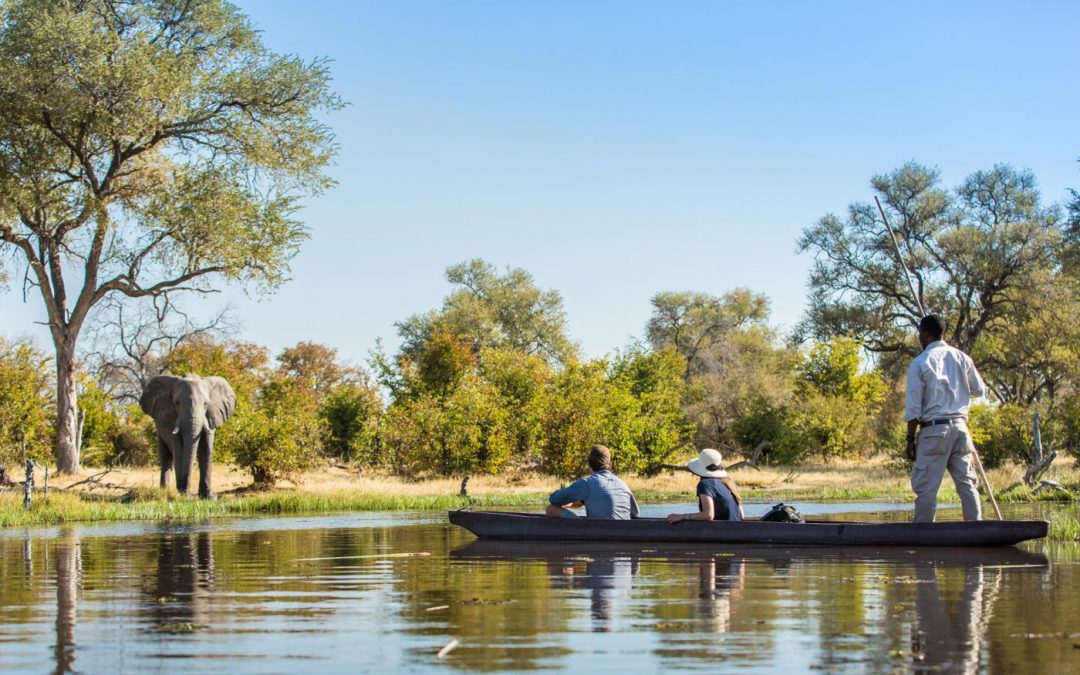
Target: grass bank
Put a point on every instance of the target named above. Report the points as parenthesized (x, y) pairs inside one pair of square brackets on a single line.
[(60, 508), (131, 495)]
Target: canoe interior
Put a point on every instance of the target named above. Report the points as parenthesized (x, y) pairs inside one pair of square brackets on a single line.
[(537, 527)]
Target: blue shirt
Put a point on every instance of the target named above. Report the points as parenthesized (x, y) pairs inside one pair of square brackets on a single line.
[(605, 496), (724, 505)]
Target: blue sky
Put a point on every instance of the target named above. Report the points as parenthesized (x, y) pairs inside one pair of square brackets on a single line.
[(618, 149)]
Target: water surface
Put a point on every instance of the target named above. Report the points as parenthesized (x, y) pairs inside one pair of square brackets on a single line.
[(379, 592)]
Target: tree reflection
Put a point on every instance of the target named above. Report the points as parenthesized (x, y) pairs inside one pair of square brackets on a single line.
[(68, 579)]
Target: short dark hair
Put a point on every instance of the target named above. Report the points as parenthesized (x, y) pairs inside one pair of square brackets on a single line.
[(933, 325), (599, 458)]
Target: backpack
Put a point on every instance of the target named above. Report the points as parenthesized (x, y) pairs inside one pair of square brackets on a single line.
[(782, 513)]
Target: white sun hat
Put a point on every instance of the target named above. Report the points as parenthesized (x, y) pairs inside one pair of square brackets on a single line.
[(708, 464)]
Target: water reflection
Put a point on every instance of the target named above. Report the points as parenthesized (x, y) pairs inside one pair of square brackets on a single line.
[(948, 636), (181, 582), (609, 580), (348, 599), (719, 581), (68, 573)]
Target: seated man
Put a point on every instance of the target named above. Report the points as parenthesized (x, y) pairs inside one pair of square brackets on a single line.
[(603, 493)]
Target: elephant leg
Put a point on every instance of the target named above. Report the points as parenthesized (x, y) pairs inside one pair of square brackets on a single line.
[(165, 460), (206, 445)]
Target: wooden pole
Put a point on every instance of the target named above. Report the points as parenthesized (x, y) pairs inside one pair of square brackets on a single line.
[(986, 482), (900, 258), (922, 312)]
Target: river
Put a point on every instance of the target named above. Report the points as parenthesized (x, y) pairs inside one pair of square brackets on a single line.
[(387, 592)]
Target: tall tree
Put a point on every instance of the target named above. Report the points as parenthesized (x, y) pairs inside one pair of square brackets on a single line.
[(148, 146), (129, 341), (493, 310), (733, 364), (693, 323), (1072, 235), (971, 252)]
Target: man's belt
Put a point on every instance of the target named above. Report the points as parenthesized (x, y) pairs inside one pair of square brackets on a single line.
[(943, 420)]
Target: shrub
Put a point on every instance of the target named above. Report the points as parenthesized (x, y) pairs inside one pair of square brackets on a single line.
[(350, 414), (27, 407), (464, 433), (278, 436)]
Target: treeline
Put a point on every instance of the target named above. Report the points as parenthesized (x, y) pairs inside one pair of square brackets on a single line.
[(451, 403), (491, 380)]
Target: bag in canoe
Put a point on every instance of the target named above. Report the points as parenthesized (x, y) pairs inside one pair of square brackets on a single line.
[(782, 513)]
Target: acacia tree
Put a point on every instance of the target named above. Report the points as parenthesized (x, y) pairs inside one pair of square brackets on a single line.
[(972, 254), (129, 342), (492, 310), (734, 368), (148, 146), (693, 323)]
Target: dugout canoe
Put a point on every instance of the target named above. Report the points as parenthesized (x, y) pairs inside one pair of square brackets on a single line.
[(538, 527)]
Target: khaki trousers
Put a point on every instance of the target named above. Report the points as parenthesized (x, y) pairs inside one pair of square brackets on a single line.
[(941, 447)]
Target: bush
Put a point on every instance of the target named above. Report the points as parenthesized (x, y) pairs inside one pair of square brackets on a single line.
[(465, 433), (278, 435), (100, 423), (1004, 433), (27, 405), (350, 414)]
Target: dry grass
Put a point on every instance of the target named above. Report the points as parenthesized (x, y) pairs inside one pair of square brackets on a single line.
[(131, 493), (873, 478)]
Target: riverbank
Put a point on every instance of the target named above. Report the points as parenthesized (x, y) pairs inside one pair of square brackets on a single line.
[(131, 493)]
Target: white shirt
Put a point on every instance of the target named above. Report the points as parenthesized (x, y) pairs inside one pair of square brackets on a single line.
[(941, 383)]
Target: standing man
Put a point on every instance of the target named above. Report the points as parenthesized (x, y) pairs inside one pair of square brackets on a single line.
[(941, 382), (603, 494)]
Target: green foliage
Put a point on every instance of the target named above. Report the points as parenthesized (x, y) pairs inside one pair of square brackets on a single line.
[(1005, 432), (577, 415), (26, 405), (1071, 252), (654, 380), (972, 251), (100, 423), (149, 146), (135, 441), (836, 400), (278, 435), (463, 433), (735, 371), (832, 413), (492, 310), (440, 362), (350, 413), (522, 382)]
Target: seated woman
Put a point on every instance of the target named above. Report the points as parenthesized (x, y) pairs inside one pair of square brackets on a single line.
[(718, 497)]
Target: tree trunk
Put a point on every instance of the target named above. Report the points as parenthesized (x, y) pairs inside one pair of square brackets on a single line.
[(67, 432)]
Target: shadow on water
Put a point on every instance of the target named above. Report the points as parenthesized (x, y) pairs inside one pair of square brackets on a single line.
[(378, 598)]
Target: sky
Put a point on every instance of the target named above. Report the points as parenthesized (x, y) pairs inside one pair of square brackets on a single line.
[(619, 149)]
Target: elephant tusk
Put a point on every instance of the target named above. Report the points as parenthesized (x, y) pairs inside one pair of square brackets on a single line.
[(176, 431)]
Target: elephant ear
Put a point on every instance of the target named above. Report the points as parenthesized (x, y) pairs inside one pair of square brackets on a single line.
[(156, 400), (222, 401)]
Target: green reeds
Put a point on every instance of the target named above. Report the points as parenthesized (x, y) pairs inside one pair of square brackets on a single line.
[(158, 505), (1064, 527)]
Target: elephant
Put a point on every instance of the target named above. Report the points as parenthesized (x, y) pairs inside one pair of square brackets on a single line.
[(186, 411)]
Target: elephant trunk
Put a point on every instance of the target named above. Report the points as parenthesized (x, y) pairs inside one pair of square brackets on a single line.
[(189, 428)]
